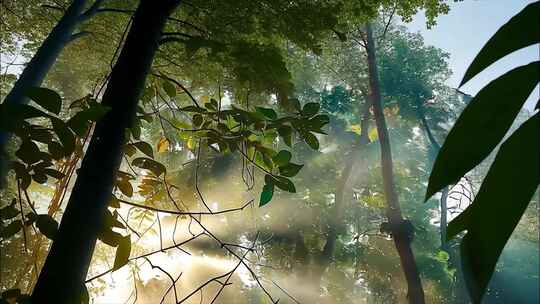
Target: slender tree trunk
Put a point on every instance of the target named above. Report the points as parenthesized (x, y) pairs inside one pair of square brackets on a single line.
[(335, 224), (460, 291), (35, 71), (435, 147), (400, 234), (63, 275)]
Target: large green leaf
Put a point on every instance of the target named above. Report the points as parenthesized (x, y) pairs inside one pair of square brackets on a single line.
[(47, 98), (503, 197), (122, 252), (482, 125), (521, 31)]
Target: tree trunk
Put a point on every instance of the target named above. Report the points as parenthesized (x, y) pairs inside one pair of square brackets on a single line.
[(336, 220), (400, 233), (435, 147), (35, 71), (63, 275)]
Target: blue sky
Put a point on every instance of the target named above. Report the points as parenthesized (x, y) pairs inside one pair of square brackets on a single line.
[(463, 32)]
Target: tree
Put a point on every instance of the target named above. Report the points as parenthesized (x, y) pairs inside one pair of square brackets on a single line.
[(35, 71), (61, 279), (401, 230)]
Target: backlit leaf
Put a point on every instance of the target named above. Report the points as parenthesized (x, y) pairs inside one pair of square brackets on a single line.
[(482, 125), (521, 31), (311, 140), (122, 252), (169, 88), (145, 148), (496, 210), (163, 145), (149, 164), (266, 194), (268, 113), (290, 170), (282, 158)]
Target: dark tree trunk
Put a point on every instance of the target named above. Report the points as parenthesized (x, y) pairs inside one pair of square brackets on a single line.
[(63, 275), (35, 71), (401, 235)]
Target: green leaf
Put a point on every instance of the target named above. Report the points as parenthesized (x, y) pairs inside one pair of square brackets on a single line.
[(130, 150), (502, 199), (56, 150), (64, 134), (266, 194), (122, 252), (521, 31), (268, 113), (311, 109), (193, 109), (482, 125), (29, 152), (311, 140), (11, 229), (11, 116), (282, 158), (53, 173), (109, 237), (282, 183), (9, 211), (286, 134), (169, 88), (197, 120), (47, 98), (125, 187), (80, 122), (47, 225), (290, 170), (316, 123), (149, 164), (26, 180), (114, 202), (145, 148), (40, 135), (39, 176)]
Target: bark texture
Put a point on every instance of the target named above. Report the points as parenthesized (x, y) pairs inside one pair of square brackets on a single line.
[(401, 236), (63, 275), (35, 71)]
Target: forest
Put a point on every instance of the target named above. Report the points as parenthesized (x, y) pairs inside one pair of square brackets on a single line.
[(273, 151)]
